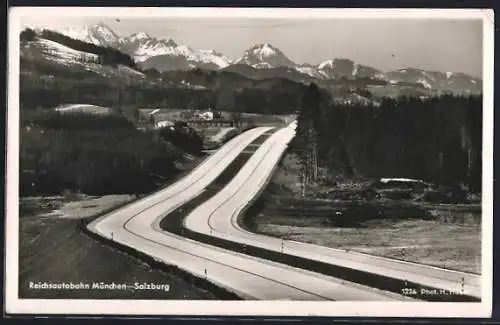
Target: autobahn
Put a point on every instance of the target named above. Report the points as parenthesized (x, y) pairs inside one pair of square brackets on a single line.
[(138, 226), (218, 217)]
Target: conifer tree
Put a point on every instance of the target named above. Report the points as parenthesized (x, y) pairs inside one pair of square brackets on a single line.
[(305, 143)]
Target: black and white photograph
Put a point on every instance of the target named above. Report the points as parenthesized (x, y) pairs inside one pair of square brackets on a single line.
[(249, 161)]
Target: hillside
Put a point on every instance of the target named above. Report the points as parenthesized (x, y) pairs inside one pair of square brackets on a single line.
[(54, 74), (53, 51)]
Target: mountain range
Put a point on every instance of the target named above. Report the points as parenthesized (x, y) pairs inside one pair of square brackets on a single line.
[(263, 60)]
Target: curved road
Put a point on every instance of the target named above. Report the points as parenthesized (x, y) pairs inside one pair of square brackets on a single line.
[(218, 217), (137, 225)]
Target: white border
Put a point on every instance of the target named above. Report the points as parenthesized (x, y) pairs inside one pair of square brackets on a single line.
[(14, 305)]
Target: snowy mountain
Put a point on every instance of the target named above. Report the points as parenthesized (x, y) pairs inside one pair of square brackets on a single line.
[(345, 68), (167, 54), (99, 34), (142, 46), (312, 71), (266, 56), (262, 56), (181, 58), (435, 80), (263, 61)]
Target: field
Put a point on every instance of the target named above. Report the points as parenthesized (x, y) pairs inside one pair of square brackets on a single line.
[(349, 215), (54, 249), (431, 242)]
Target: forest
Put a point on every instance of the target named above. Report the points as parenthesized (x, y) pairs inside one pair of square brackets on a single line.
[(438, 139), (96, 155)]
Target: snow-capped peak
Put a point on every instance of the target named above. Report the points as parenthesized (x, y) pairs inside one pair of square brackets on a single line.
[(265, 55), (332, 63), (139, 36), (105, 30), (346, 68), (99, 34), (263, 51), (143, 46), (266, 50)]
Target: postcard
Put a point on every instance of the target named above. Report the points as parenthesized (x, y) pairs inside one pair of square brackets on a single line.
[(249, 162)]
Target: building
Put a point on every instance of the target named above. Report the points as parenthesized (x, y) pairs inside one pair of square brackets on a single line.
[(196, 124), (207, 116), (161, 117), (153, 116), (162, 124)]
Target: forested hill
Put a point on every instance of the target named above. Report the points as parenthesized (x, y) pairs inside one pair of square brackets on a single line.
[(97, 154)]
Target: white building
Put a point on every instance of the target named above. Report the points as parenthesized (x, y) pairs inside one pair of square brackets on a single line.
[(206, 116), (162, 124)]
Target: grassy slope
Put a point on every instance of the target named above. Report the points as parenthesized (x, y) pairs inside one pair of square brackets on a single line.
[(53, 249)]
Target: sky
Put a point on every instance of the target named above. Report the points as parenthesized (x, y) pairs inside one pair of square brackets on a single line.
[(385, 44)]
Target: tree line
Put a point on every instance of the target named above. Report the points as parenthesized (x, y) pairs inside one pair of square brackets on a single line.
[(438, 139), (67, 86)]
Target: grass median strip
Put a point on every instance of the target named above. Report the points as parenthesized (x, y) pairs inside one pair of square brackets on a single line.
[(174, 223)]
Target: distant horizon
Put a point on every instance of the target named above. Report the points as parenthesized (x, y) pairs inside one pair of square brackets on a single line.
[(455, 45)]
